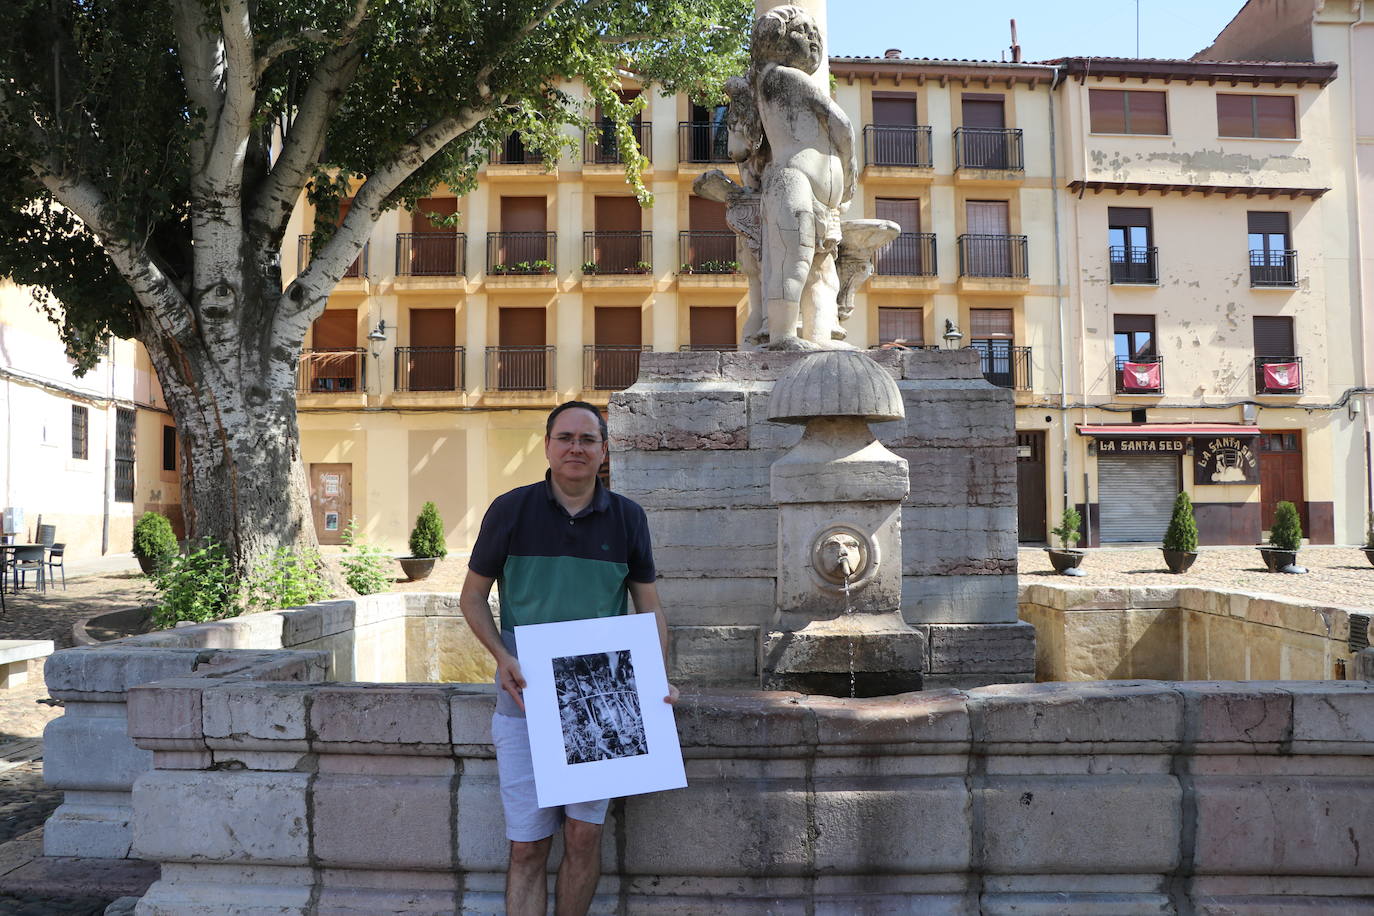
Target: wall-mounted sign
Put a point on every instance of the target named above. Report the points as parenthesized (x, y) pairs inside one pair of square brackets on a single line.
[(331, 521), (1224, 459), (1152, 445)]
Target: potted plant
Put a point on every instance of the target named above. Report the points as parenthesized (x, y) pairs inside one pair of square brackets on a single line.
[(686, 268), (1066, 558), (643, 267), (426, 544), (590, 267), (154, 542), (499, 269), (1369, 540), (1180, 541), (1284, 538), (542, 267)]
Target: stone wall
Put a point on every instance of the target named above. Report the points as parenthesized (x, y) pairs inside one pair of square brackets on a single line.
[(691, 442), (1159, 632)]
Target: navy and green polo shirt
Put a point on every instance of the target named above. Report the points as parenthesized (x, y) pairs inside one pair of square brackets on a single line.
[(551, 566)]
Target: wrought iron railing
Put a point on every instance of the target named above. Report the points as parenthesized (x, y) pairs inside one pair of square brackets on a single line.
[(911, 254), (429, 369), (707, 252), (599, 144), (698, 142), (1290, 385), (520, 368), (1273, 267), (1004, 365), (1121, 362), (617, 252), (1132, 264), (431, 254), (906, 146), (521, 252), (331, 370), (357, 269), (988, 148), (707, 348), (513, 151), (992, 256), (607, 368)]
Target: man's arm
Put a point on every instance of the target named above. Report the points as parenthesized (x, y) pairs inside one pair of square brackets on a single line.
[(477, 612), (645, 597)]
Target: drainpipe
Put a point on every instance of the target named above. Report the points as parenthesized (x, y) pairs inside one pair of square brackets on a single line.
[(1059, 299), (111, 417)]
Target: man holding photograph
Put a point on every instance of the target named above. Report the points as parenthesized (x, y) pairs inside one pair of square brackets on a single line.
[(565, 548)]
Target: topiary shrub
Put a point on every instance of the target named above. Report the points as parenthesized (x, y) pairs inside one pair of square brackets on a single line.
[(1287, 531), (1067, 532), (1182, 533), (154, 539), (427, 537)]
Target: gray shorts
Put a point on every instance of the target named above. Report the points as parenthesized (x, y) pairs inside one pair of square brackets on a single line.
[(526, 822)]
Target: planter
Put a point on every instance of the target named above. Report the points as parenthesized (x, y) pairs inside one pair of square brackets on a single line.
[(1064, 560), (1178, 561), (1276, 559), (147, 564), (417, 568), (1369, 555)]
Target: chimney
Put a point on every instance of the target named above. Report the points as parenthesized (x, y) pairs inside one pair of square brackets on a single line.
[(1015, 48), (892, 53)]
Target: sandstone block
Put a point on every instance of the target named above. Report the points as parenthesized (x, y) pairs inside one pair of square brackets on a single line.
[(980, 648), (260, 711), (972, 681), (928, 365), (470, 712), (714, 542), (729, 719), (950, 541), (89, 830), (383, 821), (1084, 713), (240, 816), (757, 365), (714, 656), (690, 480), (1249, 715), (92, 752), (667, 366), (169, 712), (944, 416), (110, 670), (974, 477), (482, 845), (763, 432), (930, 718), (1333, 711), (704, 417), (903, 826), (381, 715), (701, 601), (959, 599)]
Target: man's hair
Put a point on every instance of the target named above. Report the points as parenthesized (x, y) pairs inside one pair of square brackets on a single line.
[(569, 405)]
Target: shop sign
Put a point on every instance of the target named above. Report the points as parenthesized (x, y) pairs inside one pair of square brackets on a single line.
[(1224, 459), (1154, 445)]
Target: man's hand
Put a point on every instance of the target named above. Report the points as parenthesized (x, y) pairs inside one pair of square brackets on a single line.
[(511, 680), (671, 698)]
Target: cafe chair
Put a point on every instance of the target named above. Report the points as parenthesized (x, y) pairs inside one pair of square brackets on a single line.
[(47, 534), (27, 559), (56, 563)]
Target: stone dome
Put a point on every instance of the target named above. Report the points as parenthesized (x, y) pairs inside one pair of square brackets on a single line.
[(835, 383)]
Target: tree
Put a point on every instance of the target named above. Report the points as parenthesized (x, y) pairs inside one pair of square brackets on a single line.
[(152, 153)]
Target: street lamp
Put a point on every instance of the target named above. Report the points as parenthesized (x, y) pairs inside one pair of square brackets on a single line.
[(952, 335)]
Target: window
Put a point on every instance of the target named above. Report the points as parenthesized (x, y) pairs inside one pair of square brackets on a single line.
[(1272, 261), (1278, 370), (990, 333), (1127, 111), (80, 426), (712, 328), (1131, 245), (1137, 359), (1259, 116), (169, 448), (903, 326), (124, 455)]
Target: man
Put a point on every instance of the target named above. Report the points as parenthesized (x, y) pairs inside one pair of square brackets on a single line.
[(565, 548)]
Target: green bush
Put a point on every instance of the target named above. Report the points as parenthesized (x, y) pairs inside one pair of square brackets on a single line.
[(427, 537), (365, 568), (1067, 532), (286, 579), (154, 538), (1182, 533), (1287, 531), (198, 587)]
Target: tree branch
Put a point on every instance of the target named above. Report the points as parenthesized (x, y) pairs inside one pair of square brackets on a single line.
[(198, 53), (286, 45), (224, 166), (519, 35)]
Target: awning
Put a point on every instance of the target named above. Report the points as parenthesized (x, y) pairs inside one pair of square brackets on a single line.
[(1135, 430)]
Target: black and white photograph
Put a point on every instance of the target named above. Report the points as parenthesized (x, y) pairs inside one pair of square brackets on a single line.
[(598, 707)]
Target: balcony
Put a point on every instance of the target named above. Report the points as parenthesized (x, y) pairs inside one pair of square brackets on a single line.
[(355, 270), (1004, 365), (901, 147), (1278, 375), (702, 143), (988, 149), (431, 254), (1133, 265), (992, 256), (708, 348), (911, 254), (611, 253), (1140, 375), (1273, 269), (599, 144), (607, 368), (429, 369), (520, 253), (514, 152), (520, 368), (331, 370), (707, 252)]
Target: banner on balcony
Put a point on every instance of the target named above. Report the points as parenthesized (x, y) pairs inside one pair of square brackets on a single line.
[(1140, 376), (1224, 459), (1282, 376)]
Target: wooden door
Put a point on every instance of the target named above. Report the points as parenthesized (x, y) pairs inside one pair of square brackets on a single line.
[(524, 222), (521, 362), (1030, 485), (331, 500), (335, 363), (617, 224), (430, 365), (1280, 461)]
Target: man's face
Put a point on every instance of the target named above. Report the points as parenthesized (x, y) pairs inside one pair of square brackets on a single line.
[(574, 446)]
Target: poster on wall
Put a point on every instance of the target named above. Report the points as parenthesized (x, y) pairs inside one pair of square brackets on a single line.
[(1224, 459), (594, 707)]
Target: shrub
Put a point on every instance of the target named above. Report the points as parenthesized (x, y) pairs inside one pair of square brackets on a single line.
[(154, 538), (1182, 533), (198, 587), (1287, 531), (1067, 532), (365, 567), (286, 579), (427, 537)]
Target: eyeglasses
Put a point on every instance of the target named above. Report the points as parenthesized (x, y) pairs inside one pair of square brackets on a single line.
[(567, 439)]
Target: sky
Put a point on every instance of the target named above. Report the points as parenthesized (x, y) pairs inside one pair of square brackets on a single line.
[(980, 30)]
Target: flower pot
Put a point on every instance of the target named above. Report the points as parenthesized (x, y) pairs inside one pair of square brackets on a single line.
[(147, 564), (1369, 555), (417, 568), (1064, 560), (1276, 559), (1178, 561)]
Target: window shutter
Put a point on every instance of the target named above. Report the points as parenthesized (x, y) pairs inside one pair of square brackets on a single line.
[(901, 324), (1267, 222), (1274, 337), (984, 323)]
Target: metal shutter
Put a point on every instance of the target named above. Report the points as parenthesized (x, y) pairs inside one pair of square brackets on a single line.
[(1136, 496)]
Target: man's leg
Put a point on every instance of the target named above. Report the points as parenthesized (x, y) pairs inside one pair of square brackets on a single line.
[(580, 870), (527, 882)]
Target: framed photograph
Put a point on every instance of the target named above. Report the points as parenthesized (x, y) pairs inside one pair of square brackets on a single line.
[(594, 706)]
